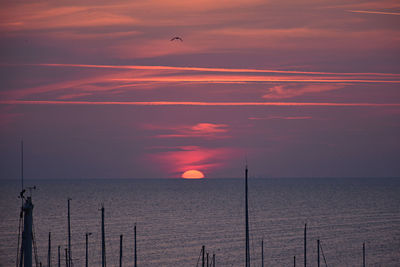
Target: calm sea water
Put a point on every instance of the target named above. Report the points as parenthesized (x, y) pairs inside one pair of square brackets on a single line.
[(175, 218)]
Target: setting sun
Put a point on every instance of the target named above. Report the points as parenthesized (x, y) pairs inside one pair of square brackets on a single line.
[(193, 174)]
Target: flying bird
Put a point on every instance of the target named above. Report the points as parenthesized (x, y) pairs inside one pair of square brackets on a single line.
[(177, 38)]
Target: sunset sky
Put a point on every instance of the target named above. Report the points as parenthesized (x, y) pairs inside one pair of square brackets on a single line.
[(96, 89)]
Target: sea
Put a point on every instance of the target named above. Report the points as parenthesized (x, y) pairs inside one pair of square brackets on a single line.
[(174, 218)]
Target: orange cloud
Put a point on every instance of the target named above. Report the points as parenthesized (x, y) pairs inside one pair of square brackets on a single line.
[(199, 130), (48, 16), (185, 158)]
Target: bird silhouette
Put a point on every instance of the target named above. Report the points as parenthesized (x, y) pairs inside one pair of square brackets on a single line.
[(177, 38)]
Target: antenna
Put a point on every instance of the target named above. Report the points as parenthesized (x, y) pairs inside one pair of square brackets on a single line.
[(22, 165)]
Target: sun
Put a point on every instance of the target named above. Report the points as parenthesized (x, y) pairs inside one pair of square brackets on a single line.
[(192, 174)]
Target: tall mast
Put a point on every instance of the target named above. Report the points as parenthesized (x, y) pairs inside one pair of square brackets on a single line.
[(247, 222), (27, 211), (22, 165)]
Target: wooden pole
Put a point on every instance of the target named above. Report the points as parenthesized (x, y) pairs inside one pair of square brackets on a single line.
[(103, 239), (135, 247), (69, 235), (318, 252), (202, 257), (305, 245), (262, 252), (294, 261), (247, 221), (87, 249), (59, 257), (364, 254), (213, 260), (120, 251), (49, 252)]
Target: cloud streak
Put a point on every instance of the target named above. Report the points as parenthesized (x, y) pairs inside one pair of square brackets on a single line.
[(194, 103), (374, 12), (203, 69), (199, 130)]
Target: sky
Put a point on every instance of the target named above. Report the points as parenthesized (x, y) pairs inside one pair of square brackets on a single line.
[(97, 89)]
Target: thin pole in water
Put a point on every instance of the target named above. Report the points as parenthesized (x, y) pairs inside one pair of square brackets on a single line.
[(318, 252), (213, 260), (364, 254), (87, 248), (49, 252), (294, 261), (262, 252), (305, 245), (135, 247), (69, 234), (202, 257), (59, 257), (103, 239), (247, 221), (120, 251)]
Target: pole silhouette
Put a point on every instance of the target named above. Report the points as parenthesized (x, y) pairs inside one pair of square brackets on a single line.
[(305, 245), (135, 260), (69, 235), (247, 222), (262, 252), (49, 252), (318, 253), (363, 254), (87, 249), (103, 239), (120, 251)]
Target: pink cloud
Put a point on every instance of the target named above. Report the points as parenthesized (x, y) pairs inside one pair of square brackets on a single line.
[(287, 91), (281, 118), (374, 12)]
